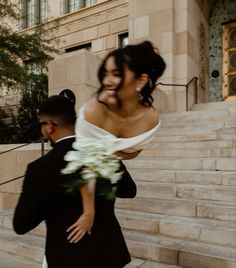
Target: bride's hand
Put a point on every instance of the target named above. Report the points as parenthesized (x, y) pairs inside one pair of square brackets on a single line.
[(109, 97), (82, 226)]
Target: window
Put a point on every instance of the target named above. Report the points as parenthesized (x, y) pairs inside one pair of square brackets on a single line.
[(29, 16), (123, 40), (86, 46), (89, 2), (42, 10), (34, 11), (73, 5), (229, 60), (68, 6), (32, 68)]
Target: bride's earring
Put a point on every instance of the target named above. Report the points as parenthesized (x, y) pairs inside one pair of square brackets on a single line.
[(139, 93)]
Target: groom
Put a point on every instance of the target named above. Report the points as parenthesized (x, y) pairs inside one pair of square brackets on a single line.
[(44, 198)]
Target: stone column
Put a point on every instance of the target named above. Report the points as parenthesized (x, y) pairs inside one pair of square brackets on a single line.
[(172, 26), (76, 71)]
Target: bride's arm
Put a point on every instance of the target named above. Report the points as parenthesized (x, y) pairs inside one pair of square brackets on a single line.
[(127, 156), (85, 222)]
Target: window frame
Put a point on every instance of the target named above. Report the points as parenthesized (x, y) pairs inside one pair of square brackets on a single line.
[(33, 12), (123, 39)]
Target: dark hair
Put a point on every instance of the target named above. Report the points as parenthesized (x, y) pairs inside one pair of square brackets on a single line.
[(68, 94), (142, 58), (60, 107)]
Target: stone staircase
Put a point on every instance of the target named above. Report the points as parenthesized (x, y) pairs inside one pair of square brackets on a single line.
[(184, 214)]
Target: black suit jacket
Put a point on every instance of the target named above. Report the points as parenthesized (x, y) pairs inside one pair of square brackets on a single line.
[(44, 198)]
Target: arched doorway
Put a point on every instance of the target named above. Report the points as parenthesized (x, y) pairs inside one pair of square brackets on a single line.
[(229, 60), (223, 51)]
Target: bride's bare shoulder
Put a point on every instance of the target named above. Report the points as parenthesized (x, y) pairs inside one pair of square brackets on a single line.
[(151, 117), (94, 111)]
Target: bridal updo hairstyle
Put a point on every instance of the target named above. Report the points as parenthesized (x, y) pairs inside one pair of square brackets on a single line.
[(142, 58)]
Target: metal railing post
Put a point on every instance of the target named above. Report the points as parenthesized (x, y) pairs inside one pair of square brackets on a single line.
[(195, 85), (186, 97), (186, 89), (42, 146)]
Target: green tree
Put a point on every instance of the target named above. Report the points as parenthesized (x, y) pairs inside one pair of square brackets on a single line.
[(28, 129), (18, 50)]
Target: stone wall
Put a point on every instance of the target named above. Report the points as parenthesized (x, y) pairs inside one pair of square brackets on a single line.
[(13, 165)]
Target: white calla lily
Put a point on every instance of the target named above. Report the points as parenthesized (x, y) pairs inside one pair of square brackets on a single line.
[(98, 159)]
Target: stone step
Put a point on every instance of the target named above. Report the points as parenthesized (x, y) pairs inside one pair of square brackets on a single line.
[(223, 152), (196, 255), (157, 248), (188, 152), (225, 211), (200, 177), (202, 133), (13, 261), (202, 230), (227, 133), (188, 133), (6, 223), (227, 120), (217, 144), (207, 230), (152, 247), (15, 253), (140, 263), (190, 137), (219, 105), (26, 250), (229, 130), (176, 251), (155, 189), (187, 130), (173, 153), (200, 114), (211, 164), (206, 192), (28, 246), (216, 210), (166, 206), (198, 118), (193, 191)]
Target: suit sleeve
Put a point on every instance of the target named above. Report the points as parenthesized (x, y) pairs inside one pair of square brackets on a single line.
[(126, 187), (31, 206)]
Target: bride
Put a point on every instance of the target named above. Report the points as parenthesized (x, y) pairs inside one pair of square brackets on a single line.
[(122, 108)]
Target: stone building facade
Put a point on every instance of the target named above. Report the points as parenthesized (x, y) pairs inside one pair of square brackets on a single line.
[(188, 33)]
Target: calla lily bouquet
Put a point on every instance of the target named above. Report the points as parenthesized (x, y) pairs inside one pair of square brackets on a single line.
[(94, 162)]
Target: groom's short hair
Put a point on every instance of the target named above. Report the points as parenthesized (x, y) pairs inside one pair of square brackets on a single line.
[(59, 107)]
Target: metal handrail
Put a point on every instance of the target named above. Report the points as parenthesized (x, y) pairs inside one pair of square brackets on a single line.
[(26, 144), (14, 179), (12, 149), (42, 153), (195, 78)]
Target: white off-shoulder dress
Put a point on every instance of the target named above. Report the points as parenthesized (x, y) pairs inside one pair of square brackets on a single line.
[(84, 129)]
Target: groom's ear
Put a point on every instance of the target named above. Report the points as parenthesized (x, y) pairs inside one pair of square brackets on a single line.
[(50, 127)]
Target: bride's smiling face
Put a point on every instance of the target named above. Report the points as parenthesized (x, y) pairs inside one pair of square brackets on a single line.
[(115, 86)]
